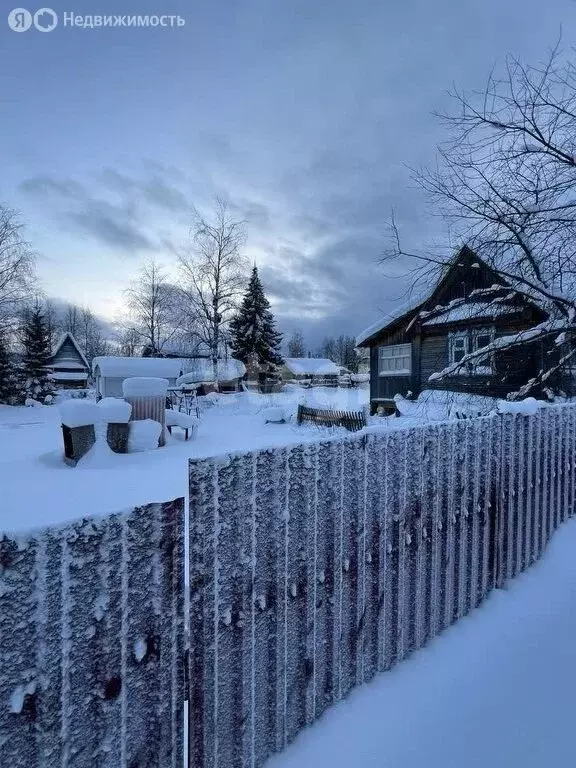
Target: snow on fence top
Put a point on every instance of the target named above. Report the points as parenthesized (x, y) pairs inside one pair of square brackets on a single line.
[(79, 413), (311, 365), (144, 386)]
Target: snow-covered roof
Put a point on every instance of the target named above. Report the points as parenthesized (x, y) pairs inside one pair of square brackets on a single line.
[(469, 310), (123, 367), (68, 365), (416, 300), (199, 369), (62, 339), (311, 365), (69, 376)]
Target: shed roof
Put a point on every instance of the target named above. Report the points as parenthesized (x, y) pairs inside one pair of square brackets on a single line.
[(311, 365), (123, 367)]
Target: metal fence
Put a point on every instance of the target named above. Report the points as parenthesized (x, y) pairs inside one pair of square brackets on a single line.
[(314, 567), (91, 629)]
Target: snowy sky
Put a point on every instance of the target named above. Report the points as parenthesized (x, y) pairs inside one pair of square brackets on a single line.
[(303, 114)]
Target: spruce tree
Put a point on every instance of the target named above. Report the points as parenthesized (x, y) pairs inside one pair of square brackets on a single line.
[(37, 354), (8, 375), (253, 330)]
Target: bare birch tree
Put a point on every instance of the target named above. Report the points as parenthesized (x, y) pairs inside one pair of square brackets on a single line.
[(506, 183), (17, 261), (151, 311), (214, 274)]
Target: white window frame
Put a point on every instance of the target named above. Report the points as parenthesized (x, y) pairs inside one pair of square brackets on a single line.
[(470, 342), (453, 337), (400, 354)]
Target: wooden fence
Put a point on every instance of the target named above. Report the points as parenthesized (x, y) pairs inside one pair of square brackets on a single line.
[(91, 642), (314, 567), (353, 421)]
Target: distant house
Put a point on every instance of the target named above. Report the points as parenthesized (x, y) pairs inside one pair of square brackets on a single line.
[(314, 371), (469, 307), (109, 372), (70, 368)]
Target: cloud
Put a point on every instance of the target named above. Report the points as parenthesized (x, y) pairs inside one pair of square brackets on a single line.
[(114, 209), (154, 190)]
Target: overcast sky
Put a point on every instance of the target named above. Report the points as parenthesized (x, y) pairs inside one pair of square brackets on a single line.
[(304, 114)]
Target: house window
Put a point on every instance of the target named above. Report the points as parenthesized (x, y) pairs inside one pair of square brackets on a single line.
[(395, 360), (462, 343), (457, 346)]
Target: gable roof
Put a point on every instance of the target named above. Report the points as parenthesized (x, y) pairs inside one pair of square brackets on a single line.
[(465, 256), (68, 336)]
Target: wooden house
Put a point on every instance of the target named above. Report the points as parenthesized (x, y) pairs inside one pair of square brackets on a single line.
[(469, 307), (70, 368)]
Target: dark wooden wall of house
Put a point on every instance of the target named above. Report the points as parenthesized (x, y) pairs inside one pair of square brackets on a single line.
[(385, 387), (512, 367)]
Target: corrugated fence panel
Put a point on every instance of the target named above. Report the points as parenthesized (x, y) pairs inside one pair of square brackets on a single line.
[(316, 566), (91, 631)]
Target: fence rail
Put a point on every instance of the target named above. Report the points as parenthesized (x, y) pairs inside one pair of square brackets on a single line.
[(314, 567), (91, 630)]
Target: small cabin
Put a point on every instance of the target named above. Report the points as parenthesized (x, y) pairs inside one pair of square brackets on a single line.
[(311, 371), (469, 307), (69, 367)]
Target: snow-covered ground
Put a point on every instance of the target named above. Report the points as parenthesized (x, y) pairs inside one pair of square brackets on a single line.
[(37, 488), (494, 691)]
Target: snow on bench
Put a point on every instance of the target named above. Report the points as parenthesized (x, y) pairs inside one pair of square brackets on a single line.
[(182, 420), (274, 415)]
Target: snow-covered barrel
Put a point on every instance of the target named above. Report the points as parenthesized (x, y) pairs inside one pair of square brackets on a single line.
[(147, 396)]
